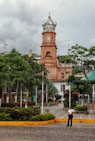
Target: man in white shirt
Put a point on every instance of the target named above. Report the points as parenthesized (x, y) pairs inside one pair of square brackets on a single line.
[(70, 116)]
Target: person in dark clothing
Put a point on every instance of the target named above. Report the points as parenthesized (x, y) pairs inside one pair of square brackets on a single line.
[(70, 116)]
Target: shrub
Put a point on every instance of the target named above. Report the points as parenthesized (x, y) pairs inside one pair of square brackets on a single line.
[(5, 109), (66, 103), (73, 104), (7, 105), (5, 117), (42, 117), (31, 103), (81, 108), (17, 113), (23, 104), (18, 104)]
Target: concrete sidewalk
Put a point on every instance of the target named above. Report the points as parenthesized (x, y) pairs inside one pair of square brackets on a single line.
[(60, 116), (59, 112)]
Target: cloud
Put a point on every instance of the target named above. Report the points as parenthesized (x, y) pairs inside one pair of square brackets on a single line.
[(21, 23)]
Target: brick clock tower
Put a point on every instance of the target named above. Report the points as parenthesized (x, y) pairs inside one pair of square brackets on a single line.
[(48, 47), (49, 50)]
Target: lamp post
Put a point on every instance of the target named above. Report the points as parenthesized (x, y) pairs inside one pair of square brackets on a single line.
[(62, 97), (93, 95), (46, 93), (62, 94), (62, 104), (42, 105), (21, 95), (36, 93), (69, 95), (93, 92), (26, 98)]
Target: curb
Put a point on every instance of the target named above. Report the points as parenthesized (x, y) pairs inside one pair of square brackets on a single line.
[(76, 120), (36, 123), (25, 123)]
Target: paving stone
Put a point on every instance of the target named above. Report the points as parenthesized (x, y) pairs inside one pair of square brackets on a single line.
[(51, 132)]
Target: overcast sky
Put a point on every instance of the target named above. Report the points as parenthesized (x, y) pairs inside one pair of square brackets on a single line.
[(21, 23)]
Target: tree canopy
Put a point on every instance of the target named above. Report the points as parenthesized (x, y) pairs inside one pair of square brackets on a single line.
[(17, 69)]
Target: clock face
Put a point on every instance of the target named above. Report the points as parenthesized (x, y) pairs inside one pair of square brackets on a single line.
[(48, 38)]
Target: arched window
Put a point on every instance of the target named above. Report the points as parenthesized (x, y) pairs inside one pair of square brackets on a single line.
[(62, 75), (48, 54)]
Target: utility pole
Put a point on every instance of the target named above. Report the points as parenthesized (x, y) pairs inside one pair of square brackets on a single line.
[(42, 106)]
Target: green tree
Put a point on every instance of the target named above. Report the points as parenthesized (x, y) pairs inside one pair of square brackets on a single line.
[(12, 70), (22, 70)]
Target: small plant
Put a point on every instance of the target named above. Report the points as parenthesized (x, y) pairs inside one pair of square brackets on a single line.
[(5, 117), (42, 117), (17, 113), (81, 108)]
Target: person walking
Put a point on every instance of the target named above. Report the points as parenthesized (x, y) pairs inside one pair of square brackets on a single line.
[(70, 116)]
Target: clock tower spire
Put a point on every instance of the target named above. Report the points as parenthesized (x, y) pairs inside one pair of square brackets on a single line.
[(57, 71), (48, 47)]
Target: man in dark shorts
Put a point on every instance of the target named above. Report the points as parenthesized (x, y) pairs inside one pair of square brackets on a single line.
[(70, 116)]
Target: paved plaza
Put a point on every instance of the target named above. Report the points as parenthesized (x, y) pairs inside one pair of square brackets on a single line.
[(51, 132), (59, 112)]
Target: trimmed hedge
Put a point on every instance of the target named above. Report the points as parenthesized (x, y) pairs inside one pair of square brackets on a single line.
[(17, 104), (5, 117), (66, 103), (24, 114), (18, 114), (42, 117), (81, 108)]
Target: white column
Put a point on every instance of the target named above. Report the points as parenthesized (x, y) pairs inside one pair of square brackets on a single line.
[(69, 96), (26, 102), (42, 106), (7, 99), (46, 93), (63, 99), (36, 93), (26, 93), (15, 98), (93, 92), (88, 98), (62, 104), (21, 95)]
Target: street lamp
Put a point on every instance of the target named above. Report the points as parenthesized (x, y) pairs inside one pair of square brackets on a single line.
[(69, 87), (42, 105), (62, 97), (93, 92), (36, 93), (46, 93), (21, 95), (69, 95), (62, 94)]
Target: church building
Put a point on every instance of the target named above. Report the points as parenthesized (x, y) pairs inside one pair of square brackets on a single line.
[(58, 72)]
